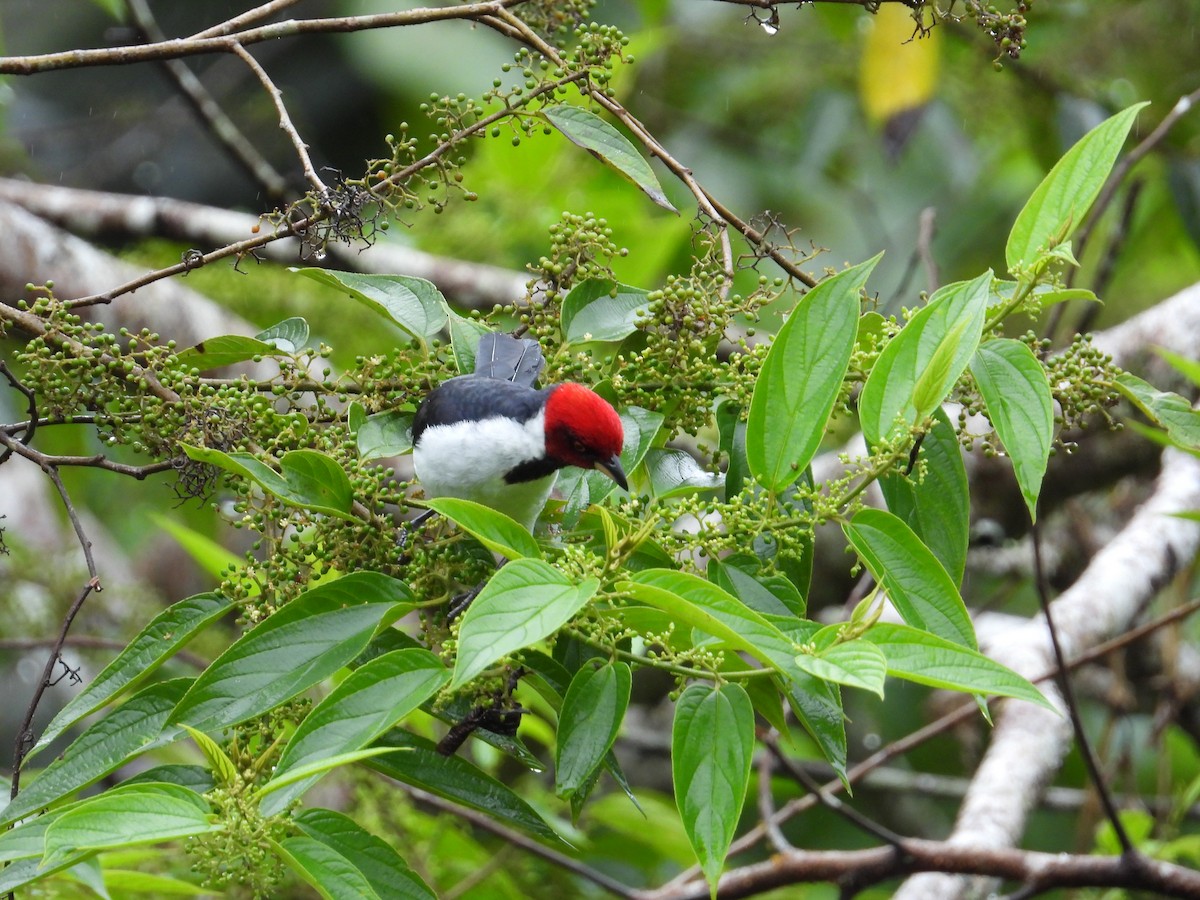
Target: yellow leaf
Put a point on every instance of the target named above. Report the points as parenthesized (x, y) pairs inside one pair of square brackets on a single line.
[(898, 70)]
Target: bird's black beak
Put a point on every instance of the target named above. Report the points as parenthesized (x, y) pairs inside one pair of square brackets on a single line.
[(612, 468)]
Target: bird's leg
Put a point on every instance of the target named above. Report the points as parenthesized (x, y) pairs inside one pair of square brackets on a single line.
[(497, 717), (459, 603)]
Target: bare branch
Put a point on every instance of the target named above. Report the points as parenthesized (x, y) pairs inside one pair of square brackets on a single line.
[(285, 120)]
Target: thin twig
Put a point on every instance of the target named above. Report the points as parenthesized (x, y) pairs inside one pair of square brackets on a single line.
[(517, 839), (249, 17), (828, 800), (31, 399), (24, 734), (226, 132), (97, 461), (285, 120), (1064, 685)]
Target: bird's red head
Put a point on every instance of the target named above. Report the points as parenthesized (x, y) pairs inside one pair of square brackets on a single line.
[(582, 429)]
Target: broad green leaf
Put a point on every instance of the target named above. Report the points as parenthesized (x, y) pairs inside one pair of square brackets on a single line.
[(28, 840), (453, 778), (591, 716), (712, 747), (312, 771), (414, 304), (934, 500), (733, 444), (1188, 368), (1058, 205), (916, 583), (857, 663), (1017, 394), (129, 883), (300, 645), (587, 130), (388, 874), (222, 766), (371, 700), (675, 473), (802, 377), (524, 601), (1170, 411), (194, 778), (170, 630), (916, 655), (136, 726), (227, 350), (774, 595), (492, 528), (817, 705), (940, 339), (210, 556), (150, 815), (384, 434), (289, 335), (332, 875), (306, 478), (602, 310), (464, 340)]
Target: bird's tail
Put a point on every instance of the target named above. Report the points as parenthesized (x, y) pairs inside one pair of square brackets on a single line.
[(506, 358)]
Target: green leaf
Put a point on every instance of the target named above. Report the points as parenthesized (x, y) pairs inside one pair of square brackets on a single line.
[(774, 596), (733, 444), (388, 874), (332, 875), (712, 746), (151, 814), (1188, 368), (1058, 205), (222, 766), (602, 310), (675, 473), (167, 632), (924, 359), (916, 583), (371, 700), (384, 434), (1170, 411), (464, 340), (227, 350), (817, 705), (492, 528), (210, 556), (289, 335), (855, 663), (937, 506), (802, 377), (925, 658), (414, 304), (453, 778), (300, 645), (136, 726), (1017, 394), (307, 479), (587, 130), (312, 772), (194, 778), (522, 603), (591, 716), (128, 883)]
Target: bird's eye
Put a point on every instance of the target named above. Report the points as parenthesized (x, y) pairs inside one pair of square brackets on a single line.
[(578, 446)]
